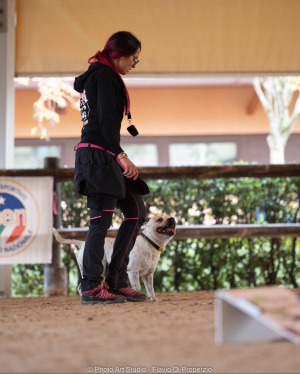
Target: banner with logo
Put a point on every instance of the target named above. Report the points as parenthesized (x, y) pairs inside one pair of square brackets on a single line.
[(26, 220)]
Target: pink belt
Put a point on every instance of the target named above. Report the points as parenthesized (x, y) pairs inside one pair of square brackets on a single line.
[(86, 145)]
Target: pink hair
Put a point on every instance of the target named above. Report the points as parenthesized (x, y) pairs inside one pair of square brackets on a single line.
[(106, 60), (122, 43)]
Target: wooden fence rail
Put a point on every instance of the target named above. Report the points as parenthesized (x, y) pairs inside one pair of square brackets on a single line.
[(179, 172), (275, 230)]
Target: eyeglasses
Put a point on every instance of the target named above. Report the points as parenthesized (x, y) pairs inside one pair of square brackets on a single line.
[(135, 60)]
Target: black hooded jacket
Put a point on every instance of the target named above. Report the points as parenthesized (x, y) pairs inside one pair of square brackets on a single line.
[(102, 106)]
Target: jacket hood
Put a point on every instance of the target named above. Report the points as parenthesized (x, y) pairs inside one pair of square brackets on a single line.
[(79, 81)]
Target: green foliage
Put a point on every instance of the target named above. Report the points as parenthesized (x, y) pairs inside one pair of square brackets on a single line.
[(28, 280), (211, 264), (196, 264)]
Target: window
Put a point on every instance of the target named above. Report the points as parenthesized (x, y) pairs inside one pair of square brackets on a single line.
[(26, 157), (142, 154), (194, 154)]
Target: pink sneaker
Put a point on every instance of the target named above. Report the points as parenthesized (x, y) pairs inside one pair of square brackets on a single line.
[(100, 295), (130, 294)]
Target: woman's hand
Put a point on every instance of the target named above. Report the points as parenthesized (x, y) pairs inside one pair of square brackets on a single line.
[(131, 170)]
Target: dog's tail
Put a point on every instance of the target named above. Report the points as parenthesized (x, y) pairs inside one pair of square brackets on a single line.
[(66, 241)]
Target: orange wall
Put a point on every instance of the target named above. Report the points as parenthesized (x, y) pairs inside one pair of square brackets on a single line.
[(165, 111)]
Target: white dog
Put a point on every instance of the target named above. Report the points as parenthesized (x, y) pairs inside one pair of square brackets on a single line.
[(143, 258)]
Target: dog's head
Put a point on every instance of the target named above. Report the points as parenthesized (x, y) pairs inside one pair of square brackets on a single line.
[(160, 229)]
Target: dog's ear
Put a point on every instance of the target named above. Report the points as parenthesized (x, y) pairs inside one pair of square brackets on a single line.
[(147, 219)]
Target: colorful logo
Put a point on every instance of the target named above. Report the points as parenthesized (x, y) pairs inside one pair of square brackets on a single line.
[(19, 218)]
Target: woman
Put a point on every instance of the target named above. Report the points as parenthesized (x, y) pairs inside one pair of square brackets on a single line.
[(105, 174)]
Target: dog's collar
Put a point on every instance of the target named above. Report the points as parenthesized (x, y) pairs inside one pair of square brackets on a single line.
[(152, 243)]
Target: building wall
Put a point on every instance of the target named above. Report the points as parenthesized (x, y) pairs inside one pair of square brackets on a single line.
[(250, 148), (190, 111)]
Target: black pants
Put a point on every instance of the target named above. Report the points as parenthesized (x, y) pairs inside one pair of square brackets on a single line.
[(101, 212)]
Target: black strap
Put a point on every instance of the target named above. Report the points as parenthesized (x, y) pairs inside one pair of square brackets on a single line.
[(152, 243), (91, 156)]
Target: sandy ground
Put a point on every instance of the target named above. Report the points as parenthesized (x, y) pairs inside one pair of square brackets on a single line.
[(58, 335)]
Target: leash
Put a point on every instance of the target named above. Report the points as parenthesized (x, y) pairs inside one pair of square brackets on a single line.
[(152, 243)]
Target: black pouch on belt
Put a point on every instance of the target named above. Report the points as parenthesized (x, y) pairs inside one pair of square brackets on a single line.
[(142, 186)]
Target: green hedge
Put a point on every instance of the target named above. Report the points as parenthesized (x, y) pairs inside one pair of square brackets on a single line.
[(201, 264)]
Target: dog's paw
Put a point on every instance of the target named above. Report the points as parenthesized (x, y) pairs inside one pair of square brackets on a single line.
[(154, 300)]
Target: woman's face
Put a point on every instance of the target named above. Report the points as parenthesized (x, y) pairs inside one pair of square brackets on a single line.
[(125, 63)]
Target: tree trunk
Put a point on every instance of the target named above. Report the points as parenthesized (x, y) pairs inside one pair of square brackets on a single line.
[(275, 95), (276, 144)]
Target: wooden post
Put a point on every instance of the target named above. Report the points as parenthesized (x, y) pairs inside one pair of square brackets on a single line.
[(55, 276)]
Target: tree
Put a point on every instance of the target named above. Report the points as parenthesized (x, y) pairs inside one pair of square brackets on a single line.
[(56, 93), (276, 94)]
